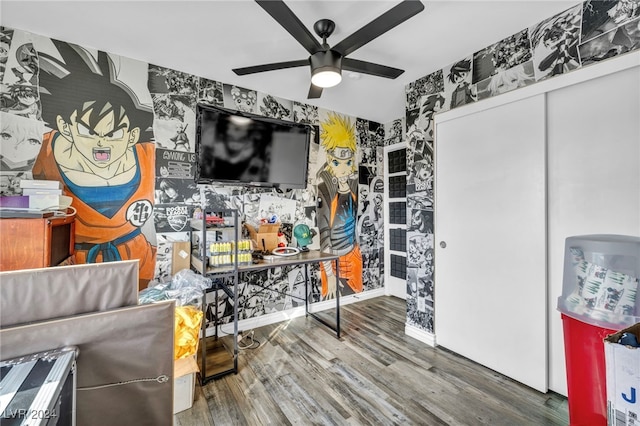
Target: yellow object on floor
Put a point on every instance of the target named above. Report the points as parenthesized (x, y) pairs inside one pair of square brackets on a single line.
[(188, 320)]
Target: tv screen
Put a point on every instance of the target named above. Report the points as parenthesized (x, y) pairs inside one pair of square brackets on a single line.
[(241, 148)]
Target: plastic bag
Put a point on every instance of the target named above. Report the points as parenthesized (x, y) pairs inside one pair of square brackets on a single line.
[(186, 278), (187, 287), (153, 294)]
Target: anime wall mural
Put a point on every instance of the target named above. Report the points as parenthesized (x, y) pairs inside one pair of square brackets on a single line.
[(458, 85), (393, 132), (338, 205), (370, 231), (174, 98), (21, 140), (555, 44), (504, 66), (271, 106), (210, 92), (22, 99), (5, 43), (241, 99), (120, 135), (124, 149), (609, 28), (20, 109)]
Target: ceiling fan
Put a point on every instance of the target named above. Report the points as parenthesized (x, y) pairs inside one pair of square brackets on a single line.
[(328, 62)]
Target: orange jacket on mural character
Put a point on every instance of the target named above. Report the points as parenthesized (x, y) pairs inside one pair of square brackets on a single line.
[(103, 228)]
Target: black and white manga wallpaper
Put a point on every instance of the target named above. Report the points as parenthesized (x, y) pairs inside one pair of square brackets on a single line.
[(170, 99), (160, 105)]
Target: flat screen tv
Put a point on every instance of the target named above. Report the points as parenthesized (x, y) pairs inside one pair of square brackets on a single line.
[(246, 149)]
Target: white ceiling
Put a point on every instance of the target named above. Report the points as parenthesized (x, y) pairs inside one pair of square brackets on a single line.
[(209, 38)]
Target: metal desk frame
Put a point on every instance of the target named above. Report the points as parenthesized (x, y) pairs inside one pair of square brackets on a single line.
[(303, 258)]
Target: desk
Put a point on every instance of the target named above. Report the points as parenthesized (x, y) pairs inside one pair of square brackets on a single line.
[(303, 258)]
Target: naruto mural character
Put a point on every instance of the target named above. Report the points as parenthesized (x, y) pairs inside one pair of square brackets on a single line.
[(338, 205), (98, 150)]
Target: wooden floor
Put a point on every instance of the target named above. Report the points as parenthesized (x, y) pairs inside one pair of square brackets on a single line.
[(373, 375)]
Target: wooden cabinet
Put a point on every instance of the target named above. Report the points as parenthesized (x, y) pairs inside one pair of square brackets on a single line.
[(35, 242)]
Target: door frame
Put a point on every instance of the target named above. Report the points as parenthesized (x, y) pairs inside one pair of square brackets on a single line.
[(393, 286)]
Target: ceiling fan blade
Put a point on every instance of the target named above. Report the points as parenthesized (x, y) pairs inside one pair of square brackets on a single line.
[(285, 17), (271, 67), (383, 23), (314, 92), (370, 68)]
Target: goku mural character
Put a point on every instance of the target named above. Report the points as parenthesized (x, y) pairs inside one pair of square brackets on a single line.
[(338, 205), (97, 150)]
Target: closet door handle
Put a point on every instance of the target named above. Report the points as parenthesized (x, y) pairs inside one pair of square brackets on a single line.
[(443, 244)]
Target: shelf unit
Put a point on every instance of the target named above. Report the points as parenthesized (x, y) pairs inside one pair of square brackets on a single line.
[(218, 357)]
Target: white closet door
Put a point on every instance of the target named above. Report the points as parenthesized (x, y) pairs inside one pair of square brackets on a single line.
[(594, 177), (490, 286)]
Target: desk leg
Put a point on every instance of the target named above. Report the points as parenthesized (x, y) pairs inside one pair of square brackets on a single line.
[(306, 290), (338, 298), (335, 327), (203, 341)]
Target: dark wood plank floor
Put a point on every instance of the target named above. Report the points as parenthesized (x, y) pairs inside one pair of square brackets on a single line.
[(373, 375)]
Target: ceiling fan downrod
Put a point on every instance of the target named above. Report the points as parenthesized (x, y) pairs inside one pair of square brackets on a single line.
[(324, 28)]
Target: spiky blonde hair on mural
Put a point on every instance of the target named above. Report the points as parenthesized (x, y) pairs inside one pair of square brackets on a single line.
[(337, 131)]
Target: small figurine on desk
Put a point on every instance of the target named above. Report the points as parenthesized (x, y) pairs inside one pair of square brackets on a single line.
[(303, 235)]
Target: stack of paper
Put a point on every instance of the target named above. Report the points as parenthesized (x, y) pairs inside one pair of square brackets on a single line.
[(45, 194)]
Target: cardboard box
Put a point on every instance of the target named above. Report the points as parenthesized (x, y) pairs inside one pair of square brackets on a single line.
[(181, 258), (184, 384), (265, 237), (622, 379)]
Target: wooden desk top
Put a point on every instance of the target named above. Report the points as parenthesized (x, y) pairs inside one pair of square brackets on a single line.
[(302, 258), (311, 256)]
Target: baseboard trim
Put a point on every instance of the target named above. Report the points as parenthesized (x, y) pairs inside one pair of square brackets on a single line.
[(296, 312), (421, 335)]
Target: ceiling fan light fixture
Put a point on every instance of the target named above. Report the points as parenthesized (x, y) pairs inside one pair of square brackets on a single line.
[(326, 68), (326, 78)]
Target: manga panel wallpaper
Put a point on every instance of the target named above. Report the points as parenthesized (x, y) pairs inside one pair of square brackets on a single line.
[(120, 135), (589, 32)]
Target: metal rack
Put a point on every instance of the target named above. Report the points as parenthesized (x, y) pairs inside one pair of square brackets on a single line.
[(215, 358), (219, 356)]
